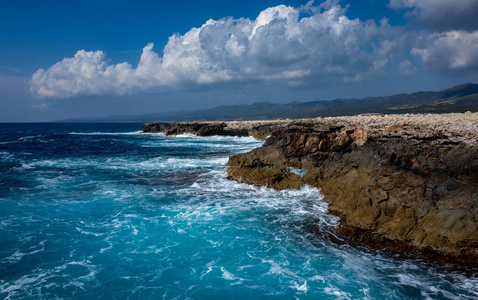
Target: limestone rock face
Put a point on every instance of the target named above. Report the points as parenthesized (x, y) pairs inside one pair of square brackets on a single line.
[(405, 182)]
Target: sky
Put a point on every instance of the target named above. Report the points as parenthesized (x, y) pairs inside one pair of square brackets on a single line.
[(64, 59)]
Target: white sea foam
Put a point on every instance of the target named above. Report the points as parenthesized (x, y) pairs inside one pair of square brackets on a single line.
[(5, 155), (301, 288), (300, 172), (25, 166), (82, 231), (48, 183), (30, 137), (333, 291), (159, 164), (107, 133), (209, 270), (39, 279), (216, 138), (214, 142), (19, 254), (228, 275), (303, 202)]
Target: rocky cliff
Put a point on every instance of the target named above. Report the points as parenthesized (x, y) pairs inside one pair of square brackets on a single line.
[(404, 182)]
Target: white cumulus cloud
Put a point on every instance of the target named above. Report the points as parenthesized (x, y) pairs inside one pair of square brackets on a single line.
[(278, 45), (451, 52), (450, 46)]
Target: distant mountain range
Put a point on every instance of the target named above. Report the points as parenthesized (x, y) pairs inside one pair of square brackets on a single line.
[(460, 98)]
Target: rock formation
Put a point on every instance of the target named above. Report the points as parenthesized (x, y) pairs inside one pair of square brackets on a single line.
[(258, 129), (404, 182)]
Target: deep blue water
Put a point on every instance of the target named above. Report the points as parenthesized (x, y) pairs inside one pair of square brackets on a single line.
[(103, 211)]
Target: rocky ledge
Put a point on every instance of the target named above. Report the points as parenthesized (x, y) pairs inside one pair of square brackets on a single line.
[(403, 182), (258, 129)]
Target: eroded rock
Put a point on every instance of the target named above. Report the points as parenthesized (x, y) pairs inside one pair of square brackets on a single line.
[(410, 186)]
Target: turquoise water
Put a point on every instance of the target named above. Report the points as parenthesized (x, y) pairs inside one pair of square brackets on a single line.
[(104, 211)]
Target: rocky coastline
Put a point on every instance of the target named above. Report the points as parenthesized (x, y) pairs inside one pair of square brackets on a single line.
[(257, 129), (402, 182)]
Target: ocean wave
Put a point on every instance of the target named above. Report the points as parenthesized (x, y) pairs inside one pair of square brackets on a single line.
[(71, 276), (30, 137), (19, 254), (138, 132), (123, 164), (214, 189), (24, 139), (24, 166), (5, 155), (215, 138), (41, 138)]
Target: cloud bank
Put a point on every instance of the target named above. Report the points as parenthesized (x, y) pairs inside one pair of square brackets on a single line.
[(278, 45), (451, 47), (284, 46), (448, 53)]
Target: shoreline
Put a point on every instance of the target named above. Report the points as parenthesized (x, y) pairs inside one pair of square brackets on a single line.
[(400, 182)]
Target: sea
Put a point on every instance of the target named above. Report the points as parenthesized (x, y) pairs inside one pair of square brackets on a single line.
[(105, 211)]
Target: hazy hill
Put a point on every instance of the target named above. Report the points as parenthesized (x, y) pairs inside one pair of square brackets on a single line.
[(460, 98)]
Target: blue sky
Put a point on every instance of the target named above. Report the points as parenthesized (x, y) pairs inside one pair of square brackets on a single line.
[(64, 59)]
